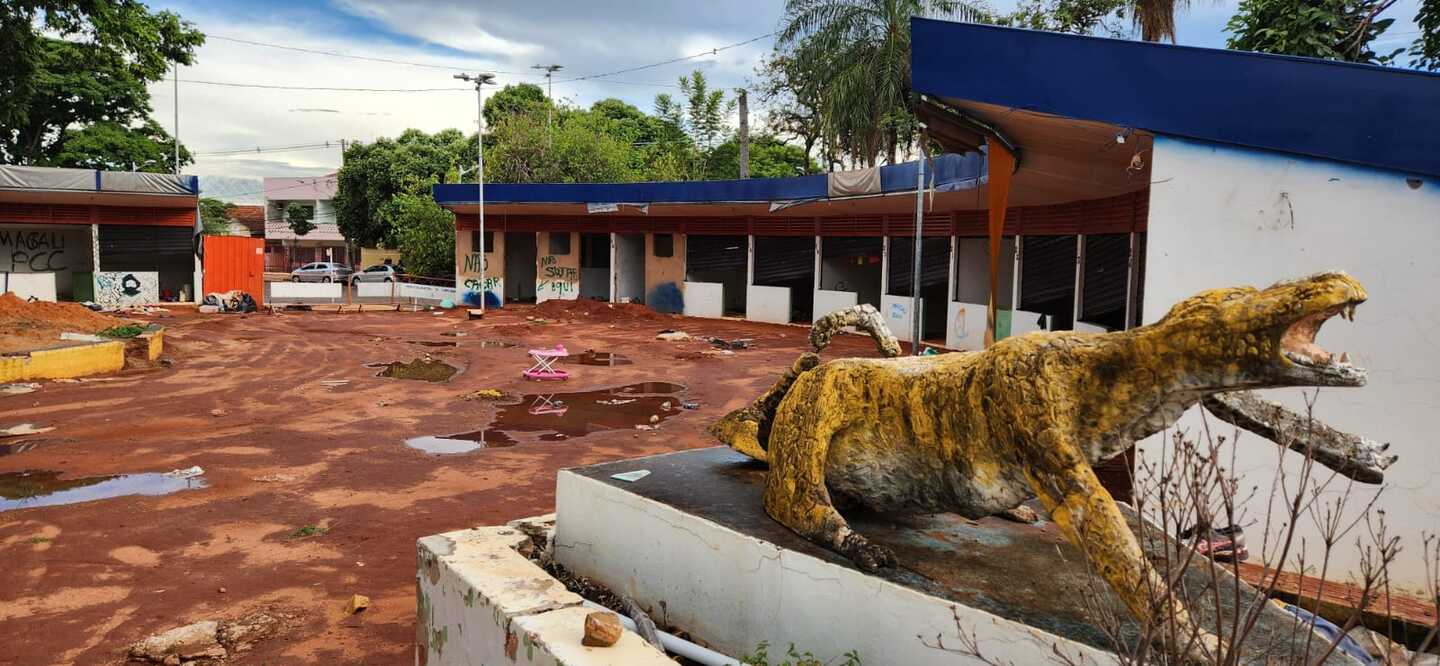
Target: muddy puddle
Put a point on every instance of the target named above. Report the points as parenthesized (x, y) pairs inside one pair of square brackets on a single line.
[(553, 417), (37, 488), (427, 370), (592, 357)]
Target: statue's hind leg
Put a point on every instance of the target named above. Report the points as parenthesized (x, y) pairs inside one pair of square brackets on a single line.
[(795, 492)]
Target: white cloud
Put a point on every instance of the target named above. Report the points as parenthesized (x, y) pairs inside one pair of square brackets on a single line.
[(456, 26)]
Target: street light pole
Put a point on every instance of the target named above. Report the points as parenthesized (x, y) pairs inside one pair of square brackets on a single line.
[(549, 97), (480, 80)]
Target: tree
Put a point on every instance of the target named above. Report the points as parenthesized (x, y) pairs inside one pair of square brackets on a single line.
[(73, 63), (299, 217), (1329, 29), (1079, 17), (701, 112), (769, 158), (114, 147), (859, 50), (586, 148), (1426, 48), (513, 99), (215, 216), (426, 234), (374, 174), (792, 95)]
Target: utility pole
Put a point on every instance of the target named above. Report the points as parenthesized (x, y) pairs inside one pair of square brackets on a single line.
[(550, 98), (916, 304), (480, 80), (177, 117), (744, 133)]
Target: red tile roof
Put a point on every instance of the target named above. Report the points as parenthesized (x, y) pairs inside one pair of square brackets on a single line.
[(250, 217)]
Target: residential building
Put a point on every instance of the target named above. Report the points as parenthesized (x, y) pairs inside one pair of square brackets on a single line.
[(286, 250)]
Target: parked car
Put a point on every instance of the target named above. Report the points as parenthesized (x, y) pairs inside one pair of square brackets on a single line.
[(379, 273), (321, 271)]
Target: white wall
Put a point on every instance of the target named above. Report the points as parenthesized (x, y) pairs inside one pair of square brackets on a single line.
[(965, 326), (1223, 216), (306, 290), (704, 299), (770, 304), (897, 314), (827, 301), (972, 271), (40, 286)]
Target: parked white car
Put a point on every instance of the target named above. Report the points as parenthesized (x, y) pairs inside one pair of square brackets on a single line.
[(379, 273), (321, 271)]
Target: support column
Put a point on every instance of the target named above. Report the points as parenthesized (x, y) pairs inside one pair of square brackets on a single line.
[(950, 276), (818, 253), (1132, 280), (1079, 281), (750, 263), (614, 269), (1015, 280), (884, 267)]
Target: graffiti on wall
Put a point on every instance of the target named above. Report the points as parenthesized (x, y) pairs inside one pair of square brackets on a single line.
[(473, 288), (26, 251), (117, 288), (556, 281)]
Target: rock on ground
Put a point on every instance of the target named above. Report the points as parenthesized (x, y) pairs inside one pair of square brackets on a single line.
[(191, 642)]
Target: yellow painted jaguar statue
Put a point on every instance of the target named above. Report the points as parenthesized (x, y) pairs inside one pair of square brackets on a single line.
[(980, 433)]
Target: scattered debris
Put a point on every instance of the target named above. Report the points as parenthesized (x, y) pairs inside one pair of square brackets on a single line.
[(715, 353), (475, 314), (187, 473), (24, 429), (81, 337), (483, 394), (217, 412), (602, 629), (631, 477), (274, 478), (18, 389), (670, 335), (332, 383), (644, 426), (737, 343), (234, 300), (181, 644), (654, 418), (616, 401), (357, 603), (689, 404)]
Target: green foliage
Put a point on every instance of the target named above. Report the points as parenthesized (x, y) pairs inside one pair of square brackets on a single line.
[(1426, 48), (215, 216), (701, 112), (74, 63), (115, 147), (426, 236), (858, 52), (307, 531), (586, 147), (1080, 17), (1329, 29), (124, 331), (792, 95), (769, 158), (374, 174), (792, 657), (299, 217), (514, 99)]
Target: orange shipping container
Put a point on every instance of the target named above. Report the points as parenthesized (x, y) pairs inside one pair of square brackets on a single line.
[(235, 262)]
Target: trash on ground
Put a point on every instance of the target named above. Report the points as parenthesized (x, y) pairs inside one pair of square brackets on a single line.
[(188, 643), (357, 603), (690, 404), (24, 429), (234, 300), (18, 389), (218, 412), (617, 401), (187, 473), (737, 343), (631, 477), (672, 336), (483, 394), (82, 337), (334, 382)]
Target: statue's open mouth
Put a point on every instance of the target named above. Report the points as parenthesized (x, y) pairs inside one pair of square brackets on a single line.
[(1322, 368)]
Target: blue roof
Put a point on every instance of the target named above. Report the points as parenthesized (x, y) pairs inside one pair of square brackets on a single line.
[(949, 172), (1377, 116)]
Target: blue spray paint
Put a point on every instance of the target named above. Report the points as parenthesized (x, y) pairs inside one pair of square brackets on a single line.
[(666, 298)]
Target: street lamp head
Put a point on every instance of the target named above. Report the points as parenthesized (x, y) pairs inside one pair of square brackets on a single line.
[(549, 69), (479, 79)]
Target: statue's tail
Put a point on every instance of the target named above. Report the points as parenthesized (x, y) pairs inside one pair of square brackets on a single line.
[(747, 429)]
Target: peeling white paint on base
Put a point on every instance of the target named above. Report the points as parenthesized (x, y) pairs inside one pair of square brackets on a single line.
[(479, 601)]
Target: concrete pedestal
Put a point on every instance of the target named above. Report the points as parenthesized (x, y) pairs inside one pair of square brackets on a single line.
[(691, 542)]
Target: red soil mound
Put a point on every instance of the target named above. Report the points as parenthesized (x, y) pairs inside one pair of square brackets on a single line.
[(29, 325), (597, 311)]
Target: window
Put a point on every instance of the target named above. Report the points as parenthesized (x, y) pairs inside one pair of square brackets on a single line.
[(475, 240), (664, 245), (560, 243)]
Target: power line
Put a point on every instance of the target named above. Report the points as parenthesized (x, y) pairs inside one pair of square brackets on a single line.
[(268, 86), (274, 149), (671, 61), (335, 54)]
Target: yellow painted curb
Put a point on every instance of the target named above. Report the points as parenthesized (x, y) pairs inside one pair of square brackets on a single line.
[(64, 362)]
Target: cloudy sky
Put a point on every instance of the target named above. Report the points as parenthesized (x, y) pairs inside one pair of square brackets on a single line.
[(588, 38)]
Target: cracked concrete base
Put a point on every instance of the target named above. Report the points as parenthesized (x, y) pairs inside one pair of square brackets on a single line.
[(480, 601), (731, 589)]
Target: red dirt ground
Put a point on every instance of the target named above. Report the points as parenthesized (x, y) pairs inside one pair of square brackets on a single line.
[(281, 450)]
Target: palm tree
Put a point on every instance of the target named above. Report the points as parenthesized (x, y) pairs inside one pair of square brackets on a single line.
[(1156, 18), (860, 52)]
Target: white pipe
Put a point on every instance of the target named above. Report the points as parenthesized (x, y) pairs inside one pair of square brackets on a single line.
[(676, 644)]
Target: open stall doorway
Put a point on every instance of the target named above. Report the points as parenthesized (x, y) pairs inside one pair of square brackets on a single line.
[(595, 266), (719, 260), (630, 268), (788, 261), (520, 262), (934, 280)]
